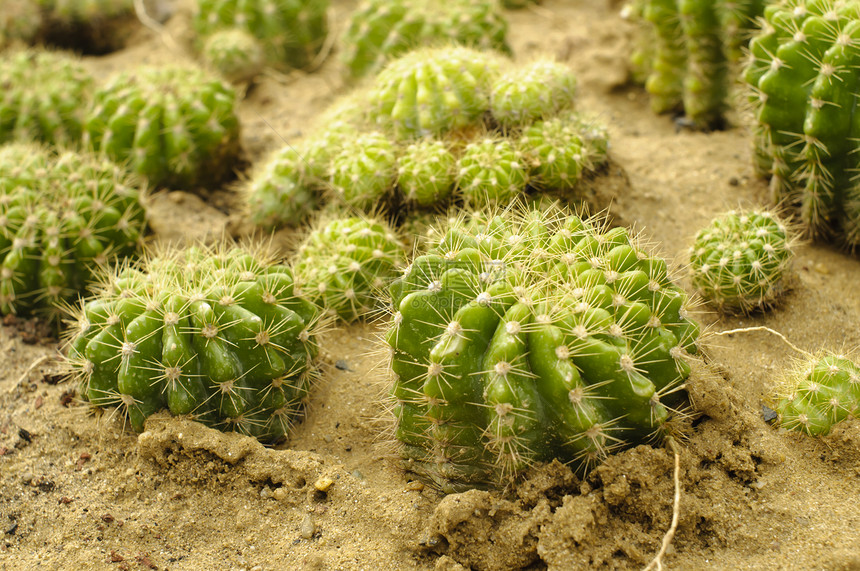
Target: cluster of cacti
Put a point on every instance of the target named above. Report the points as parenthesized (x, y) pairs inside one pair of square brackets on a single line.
[(741, 259), (802, 72), (215, 333), (533, 335), (345, 263), (685, 51), (233, 53), (380, 30), (54, 111), (825, 390), (177, 126), (291, 33), (61, 215)]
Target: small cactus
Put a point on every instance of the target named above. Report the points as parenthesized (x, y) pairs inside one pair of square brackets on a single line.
[(364, 170), (176, 126), (525, 94), (426, 173), (218, 334), (44, 97), (345, 263), (278, 192), (491, 172), (291, 33), (803, 80), (529, 336), (380, 30), (822, 392), (61, 214), (557, 152), (235, 54)]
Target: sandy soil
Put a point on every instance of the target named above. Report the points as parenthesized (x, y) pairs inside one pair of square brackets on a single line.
[(78, 491)]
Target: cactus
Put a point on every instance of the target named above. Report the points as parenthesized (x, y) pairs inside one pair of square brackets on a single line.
[(380, 30), (741, 259), (61, 214), (823, 391), (176, 126), (291, 33), (558, 152), (235, 54), (803, 90), (528, 336), (688, 50), (491, 171), (364, 170), (216, 333), (525, 94), (426, 173), (53, 112), (278, 192), (345, 263)]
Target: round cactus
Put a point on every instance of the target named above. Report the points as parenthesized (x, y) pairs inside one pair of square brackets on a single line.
[(364, 170), (537, 91), (51, 112), (491, 171), (379, 30), (278, 193), (218, 334), (823, 391), (345, 263), (529, 336), (802, 75), (61, 215), (557, 152), (426, 173), (740, 261), (235, 54), (431, 91), (176, 126)]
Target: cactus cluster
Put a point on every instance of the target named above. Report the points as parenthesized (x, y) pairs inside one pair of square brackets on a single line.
[(177, 126), (61, 215), (215, 333), (289, 32), (822, 392), (54, 111), (380, 30), (804, 85), (686, 49), (741, 259), (345, 264), (531, 335)]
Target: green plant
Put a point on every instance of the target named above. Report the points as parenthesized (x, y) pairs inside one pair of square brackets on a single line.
[(364, 169), (740, 261), (525, 94), (215, 333), (802, 75), (176, 126), (532, 335), (234, 53), (380, 30), (491, 171), (61, 214), (426, 173)]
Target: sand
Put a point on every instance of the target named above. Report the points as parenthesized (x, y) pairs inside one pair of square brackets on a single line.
[(80, 491)]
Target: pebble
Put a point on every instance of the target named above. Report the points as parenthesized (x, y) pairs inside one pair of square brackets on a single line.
[(279, 494), (27, 477), (308, 527), (323, 484)]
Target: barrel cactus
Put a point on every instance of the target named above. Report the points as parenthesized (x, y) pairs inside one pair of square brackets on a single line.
[(491, 171), (176, 126), (740, 261), (235, 54), (528, 336), (426, 172), (803, 80), (379, 30), (62, 214), (218, 333), (535, 91)]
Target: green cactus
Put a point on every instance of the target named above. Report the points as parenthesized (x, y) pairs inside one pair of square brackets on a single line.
[(529, 336), (346, 262), (426, 173), (176, 126), (491, 172), (525, 94), (235, 54), (291, 33), (216, 333), (364, 170), (740, 261), (61, 214), (823, 391), (559, 152), (804, 93), (379, 30), (44, 97), (278, 192), (687, 51)]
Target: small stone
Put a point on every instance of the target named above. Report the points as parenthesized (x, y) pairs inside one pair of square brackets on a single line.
[(323, 484), (414, 486), (279, 494), (308, 527)]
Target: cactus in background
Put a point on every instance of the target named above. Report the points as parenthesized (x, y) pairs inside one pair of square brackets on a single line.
[(823, 391), (235, 54), (44, 97), (536, 91), (491, 172), (741, 259), (687, 51), (61, 215), (364, 170), (426, 173), (278, 192), (804, 85), (379, 30), (345, 263), (176, 126), (218, 334), (291, 33), (528, 336)]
